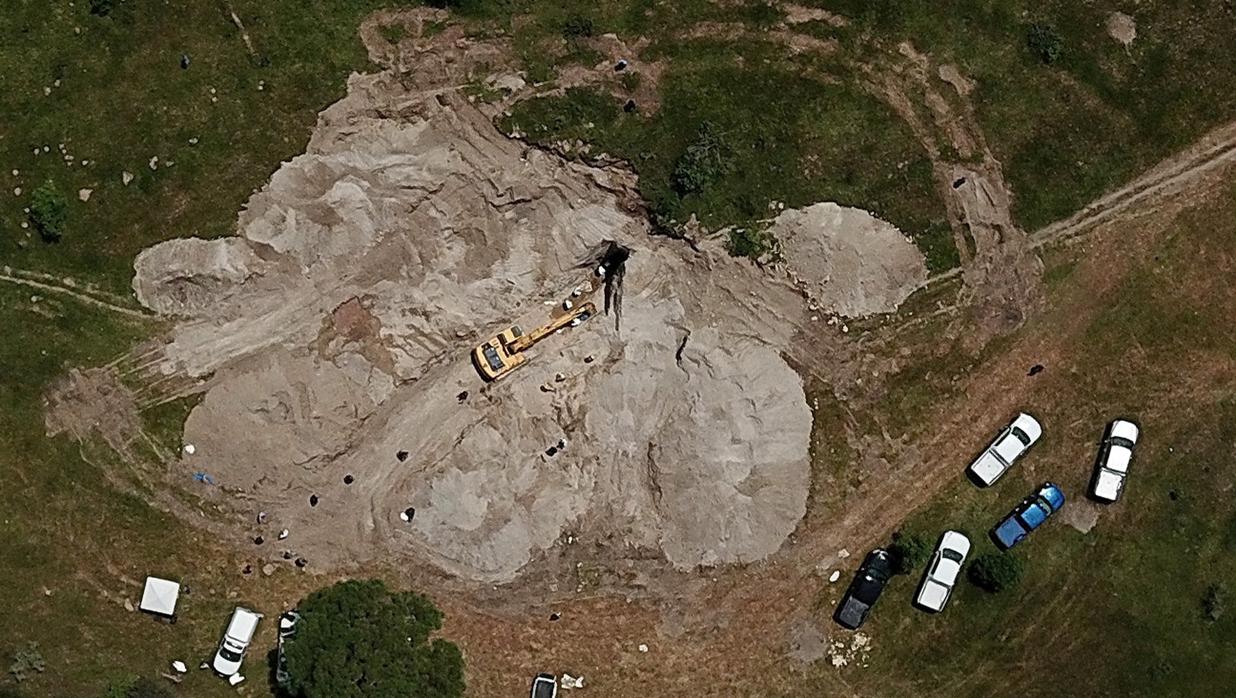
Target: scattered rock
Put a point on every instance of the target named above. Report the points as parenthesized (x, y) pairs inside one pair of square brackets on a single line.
[(128, 605), (126, 177), (268, 569), (16, 191), (154, 162), (84, 194), (1122, 28), (643, 648), (834, 576)]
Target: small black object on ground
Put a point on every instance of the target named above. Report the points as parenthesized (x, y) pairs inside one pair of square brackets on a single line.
[(401, 456)]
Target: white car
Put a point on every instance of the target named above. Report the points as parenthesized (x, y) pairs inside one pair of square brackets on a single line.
[(1011, 444), (235, 641), (1115, 454), (942, 572)]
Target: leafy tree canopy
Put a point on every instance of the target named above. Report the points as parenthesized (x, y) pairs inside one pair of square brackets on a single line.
[(358, 638)]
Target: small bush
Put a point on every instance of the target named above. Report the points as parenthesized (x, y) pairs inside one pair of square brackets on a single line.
[(703, 162), (746, 242), (908, 552), (49, 211), (995, 572), (27, 662), (101, 8), (763, 14), (1214, 602), (577, 27), (1045, 42)]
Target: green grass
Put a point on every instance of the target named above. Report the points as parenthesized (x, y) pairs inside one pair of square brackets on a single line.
[(1131, 590), (122, 99), (781, 137), (1094, 118)]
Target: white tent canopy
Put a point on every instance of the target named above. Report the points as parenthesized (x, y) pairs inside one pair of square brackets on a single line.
[(160, 596)]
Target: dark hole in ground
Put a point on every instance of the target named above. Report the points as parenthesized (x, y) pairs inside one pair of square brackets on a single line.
[(257, 540), (313, 500), (401, 456), (551, 451), (348, 479), (1036, 370)]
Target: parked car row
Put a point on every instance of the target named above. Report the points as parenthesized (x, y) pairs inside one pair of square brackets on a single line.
[(943, 570)]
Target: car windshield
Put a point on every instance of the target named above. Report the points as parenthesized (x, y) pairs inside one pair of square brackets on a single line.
[(952, 555), (1021, 435), (867, 589), (1121, 441), (230, 655)]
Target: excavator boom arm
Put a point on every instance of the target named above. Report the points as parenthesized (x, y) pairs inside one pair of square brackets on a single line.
[(525, 341)]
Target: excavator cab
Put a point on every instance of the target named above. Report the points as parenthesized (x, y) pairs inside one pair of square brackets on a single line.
[(504, 353)]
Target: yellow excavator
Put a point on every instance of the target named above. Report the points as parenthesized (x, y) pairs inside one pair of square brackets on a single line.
[(504, 353)]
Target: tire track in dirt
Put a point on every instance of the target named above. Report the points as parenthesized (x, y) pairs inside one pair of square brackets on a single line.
[(68, 287), (1173, 177)]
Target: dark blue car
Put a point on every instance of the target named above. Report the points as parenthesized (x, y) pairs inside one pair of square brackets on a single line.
[(1028, 515)]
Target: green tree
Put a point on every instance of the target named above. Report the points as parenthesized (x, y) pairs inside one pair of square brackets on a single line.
[(995, 572), (49, 211), (704, 161), (27, 661), (577, 27), (1214, 603), (358, 638), (908, 550), (1045, 42)]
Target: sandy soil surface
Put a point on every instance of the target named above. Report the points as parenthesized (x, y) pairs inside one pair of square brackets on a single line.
[(332, 338)]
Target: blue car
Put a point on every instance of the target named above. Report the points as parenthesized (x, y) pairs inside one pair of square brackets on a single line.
[(1028, 515)]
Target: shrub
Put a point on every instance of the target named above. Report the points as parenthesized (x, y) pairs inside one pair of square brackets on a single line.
[(101, 8), (577, 27), (704, 161), (746, 242), (995, 572), (1214, 602), (908, 551), (357, 638), (49, 211), (1045, 42), (27, 662)]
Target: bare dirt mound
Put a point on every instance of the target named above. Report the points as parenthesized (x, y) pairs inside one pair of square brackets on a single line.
[(334, 335), (851, 262)]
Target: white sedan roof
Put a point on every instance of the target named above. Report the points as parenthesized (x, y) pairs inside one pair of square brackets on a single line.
[(1118, 458), (160, 596)]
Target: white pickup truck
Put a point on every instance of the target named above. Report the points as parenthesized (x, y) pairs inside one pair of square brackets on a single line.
[(1011, 444), (1115, 454)]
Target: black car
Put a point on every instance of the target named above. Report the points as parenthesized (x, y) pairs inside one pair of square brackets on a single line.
[(865, 590)]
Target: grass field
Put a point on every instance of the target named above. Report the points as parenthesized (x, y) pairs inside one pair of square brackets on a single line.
[(1094, 117), (116, 96), (1117, 611), (112, 91)]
